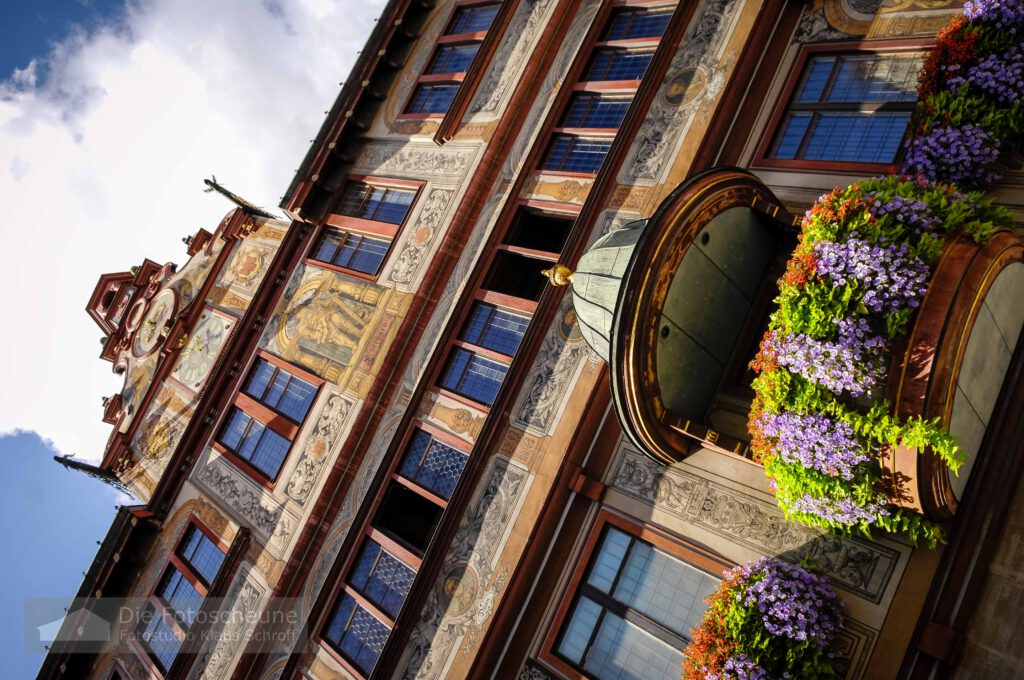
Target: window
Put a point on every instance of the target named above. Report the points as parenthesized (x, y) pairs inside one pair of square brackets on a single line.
[(634, 607), (382, 574), (602, 98), (267, 413), (848, 107), (357, 238), (436, 88), (432, 464), (179, 594)]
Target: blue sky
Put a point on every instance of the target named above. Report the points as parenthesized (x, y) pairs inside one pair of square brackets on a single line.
[(111, 115), (53, 518)]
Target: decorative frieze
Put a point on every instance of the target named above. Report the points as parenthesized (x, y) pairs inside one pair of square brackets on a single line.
[(318, 447), (861, 567), (464, 596)]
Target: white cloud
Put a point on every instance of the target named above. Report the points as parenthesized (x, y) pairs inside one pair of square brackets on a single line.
[(104, 143)]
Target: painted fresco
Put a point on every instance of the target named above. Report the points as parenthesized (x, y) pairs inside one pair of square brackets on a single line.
[(322, 322), (243, 273)]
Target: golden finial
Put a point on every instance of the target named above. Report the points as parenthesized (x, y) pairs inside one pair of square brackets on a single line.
[(559, 275)]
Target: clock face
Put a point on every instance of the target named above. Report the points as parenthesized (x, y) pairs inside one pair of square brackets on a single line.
[(202, 349), (148, 334)]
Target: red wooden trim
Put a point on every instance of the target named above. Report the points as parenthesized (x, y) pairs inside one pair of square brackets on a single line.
[(441, 435), (290, 368), (341, 270), (414, 487), (455, 38), (506, 301), (761, 158), (369, 606), (482, 351), (140, 650), (387, 182), (336, 655), (608, 86), (266, 415), (392, 546), (246, 467), (362, 226), (589, 133), (554, 208), (419, 116), (189, 575), (167, 615), (540, 171), (210, 534), (432, 78)]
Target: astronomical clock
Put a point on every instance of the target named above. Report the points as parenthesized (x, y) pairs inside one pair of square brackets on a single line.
[(149, 334), (202, 348)]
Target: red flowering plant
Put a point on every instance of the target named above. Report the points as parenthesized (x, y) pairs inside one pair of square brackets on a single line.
[(767, 619), (818, 421), (971, 96)]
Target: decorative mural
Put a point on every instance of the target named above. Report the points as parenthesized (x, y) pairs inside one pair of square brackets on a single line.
[(463, 598), (321, 320), (693, 82), (319, 444)]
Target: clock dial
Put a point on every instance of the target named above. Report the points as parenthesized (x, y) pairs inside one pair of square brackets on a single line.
[(202, 349), (148, 334)]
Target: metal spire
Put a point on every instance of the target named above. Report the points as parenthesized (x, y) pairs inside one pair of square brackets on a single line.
[(245, 205), (94, 471)]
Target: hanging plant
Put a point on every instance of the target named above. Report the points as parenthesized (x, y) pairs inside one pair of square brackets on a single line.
[(971, 96), (819, 423), (768, 619)]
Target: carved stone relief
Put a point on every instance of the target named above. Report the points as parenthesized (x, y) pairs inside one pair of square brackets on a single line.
[(420, 236), (814, 27), (252, 505), (693, 82), (861, 567), (246, 598), (471, 581), (510, 59), (319, 447), (532, 671), (415, 161), (553, 373)]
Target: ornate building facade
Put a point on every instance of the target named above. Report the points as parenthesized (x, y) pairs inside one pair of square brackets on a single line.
[(372, 440)]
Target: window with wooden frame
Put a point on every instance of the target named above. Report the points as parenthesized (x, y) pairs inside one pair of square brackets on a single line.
[(266, 415), (404, 518), (175, 602), (479, 358), (407, 510), (615, 66), (456, 48), (357, 238), (631, 603), (844, 107)]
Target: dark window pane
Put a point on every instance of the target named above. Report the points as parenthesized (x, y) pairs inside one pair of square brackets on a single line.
[(407, 517), (280, 391), (453, 58), (356, 633), (382, 578), (160, 638), (615, 64), (851, 107), (251, 441), (493, 328), (380, 204), (432, 464), (576, 154), (596, 111), (472, 19), (180, 596), (538, 231), (637, 23), (516, 275), (201, 553), (473, 376), (433, 98), (352, 251)]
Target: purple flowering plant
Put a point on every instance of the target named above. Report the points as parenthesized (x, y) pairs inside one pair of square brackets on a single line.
[(971, 96), (857, 277), (768, 619)]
